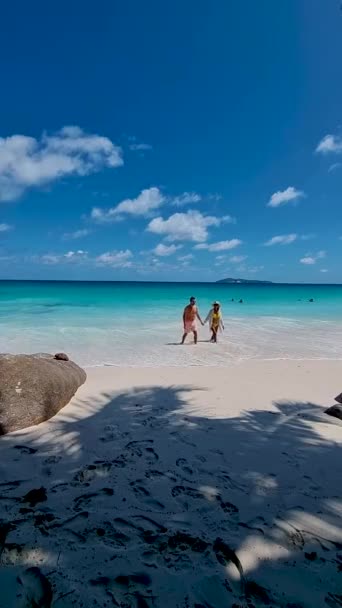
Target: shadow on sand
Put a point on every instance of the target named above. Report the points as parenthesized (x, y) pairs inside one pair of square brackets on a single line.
[(143, 503)]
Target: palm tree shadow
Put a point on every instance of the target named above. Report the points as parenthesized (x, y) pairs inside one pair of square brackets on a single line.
[(140, 481)]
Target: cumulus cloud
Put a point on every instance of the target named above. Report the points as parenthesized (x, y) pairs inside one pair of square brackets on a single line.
[(330, 144), (282, 197), (283, 239), (220, 245), (26, 162), (310, 259), (115, 259), (78, 234), (190, 226), (186, 198), (5, 227), (147, 201), (165, 250), (324, 270)]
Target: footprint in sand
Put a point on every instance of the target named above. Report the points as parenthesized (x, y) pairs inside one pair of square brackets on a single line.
[(131, 588), (91, 472), (183, 464), (24, 449), (81, 502), (144, 449)]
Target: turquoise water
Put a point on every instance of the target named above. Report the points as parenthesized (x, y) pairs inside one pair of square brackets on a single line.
[(140, 323)]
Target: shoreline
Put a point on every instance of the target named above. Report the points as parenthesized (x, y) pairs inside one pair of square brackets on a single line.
[(153, 478)]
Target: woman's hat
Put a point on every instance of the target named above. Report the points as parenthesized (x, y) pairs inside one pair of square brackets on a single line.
[(216, 303)]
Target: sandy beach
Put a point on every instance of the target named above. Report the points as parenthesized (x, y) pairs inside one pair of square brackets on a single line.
[(196, 487)]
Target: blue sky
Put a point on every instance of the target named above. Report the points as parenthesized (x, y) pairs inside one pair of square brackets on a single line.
[(171, 141)]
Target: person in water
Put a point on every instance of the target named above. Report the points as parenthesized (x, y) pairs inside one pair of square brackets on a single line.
[(215, 321), (190, 316)]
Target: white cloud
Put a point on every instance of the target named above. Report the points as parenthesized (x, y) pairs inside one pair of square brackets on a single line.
[(5, 227), (220, 245), (334, 167), (115, 259), (312, 258), (186, 198), (50, 259), (283, 239), (330, 144), (308, 260), (75, 255), (148, 200), (165, 250), (282, 197), (186, 258), (255, 269), (69, 256), (78, 234), (140, 147), (190, 226), (324, 270), (237, 259), (26, 162)]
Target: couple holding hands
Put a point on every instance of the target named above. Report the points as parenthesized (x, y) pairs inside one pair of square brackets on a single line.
[(191, 314)]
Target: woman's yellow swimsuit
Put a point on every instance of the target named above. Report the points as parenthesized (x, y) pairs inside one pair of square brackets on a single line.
[(215, 321)]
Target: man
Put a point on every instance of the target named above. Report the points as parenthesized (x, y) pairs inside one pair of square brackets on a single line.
[(190, 316)]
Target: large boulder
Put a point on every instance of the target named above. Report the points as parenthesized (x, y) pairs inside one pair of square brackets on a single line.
[(33, 388)]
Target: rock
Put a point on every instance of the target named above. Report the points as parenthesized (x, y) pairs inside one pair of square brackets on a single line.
[(61, 357), (335, 410), (33, 388), (339, 398)]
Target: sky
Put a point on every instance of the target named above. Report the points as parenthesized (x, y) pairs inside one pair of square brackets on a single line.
[(179, 141)]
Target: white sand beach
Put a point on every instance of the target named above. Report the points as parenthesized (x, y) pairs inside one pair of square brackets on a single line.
[(196, 487)]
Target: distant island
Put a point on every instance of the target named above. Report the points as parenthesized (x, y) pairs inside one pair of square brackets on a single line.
[(244, 281)]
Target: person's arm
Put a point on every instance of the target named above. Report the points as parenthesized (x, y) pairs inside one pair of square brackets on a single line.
[(208, 317), (184, 317), (222, 322), (198, 317)]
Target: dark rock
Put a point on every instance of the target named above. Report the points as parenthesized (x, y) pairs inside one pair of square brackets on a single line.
[(33, 388), (339, 398), (61, 357), (335, 410)]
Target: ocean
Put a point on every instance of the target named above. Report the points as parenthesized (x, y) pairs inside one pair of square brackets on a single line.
[(139, 324)]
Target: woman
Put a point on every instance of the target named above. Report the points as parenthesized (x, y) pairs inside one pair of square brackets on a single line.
[(215, 321)]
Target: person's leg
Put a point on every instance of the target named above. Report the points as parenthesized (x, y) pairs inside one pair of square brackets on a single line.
[(212, 337), (215, 335), (183, 338), (195, 337)]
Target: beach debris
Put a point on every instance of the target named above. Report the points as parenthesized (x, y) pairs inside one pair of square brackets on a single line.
[(61, 357), (36, 588), (335, 411), (46, 385), (339, 398)]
